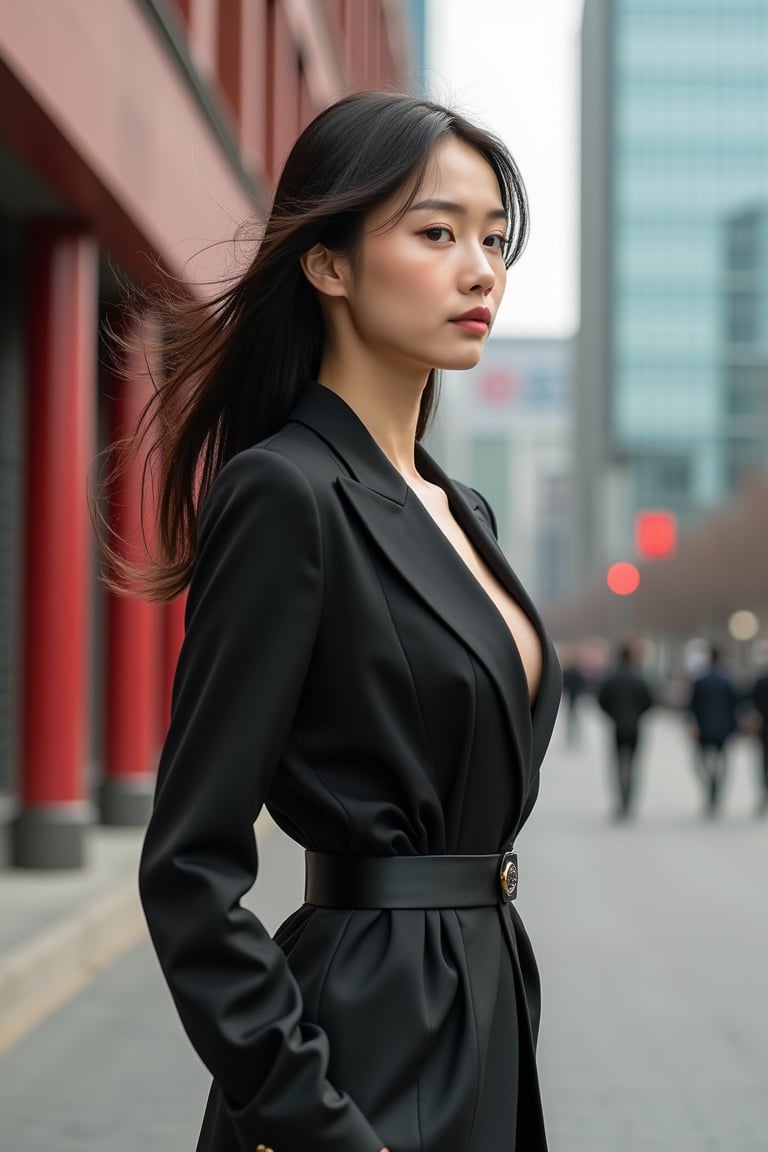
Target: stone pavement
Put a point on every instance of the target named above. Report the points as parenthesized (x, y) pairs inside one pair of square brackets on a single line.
[(60, 929), (652, 941), (651, 937)]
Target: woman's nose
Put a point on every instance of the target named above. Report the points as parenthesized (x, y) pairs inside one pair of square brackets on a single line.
[(479, 273)]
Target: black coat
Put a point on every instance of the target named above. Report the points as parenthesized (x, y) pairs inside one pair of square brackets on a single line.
[(625, 696), (759, 700), (344, 667), (713, 704)]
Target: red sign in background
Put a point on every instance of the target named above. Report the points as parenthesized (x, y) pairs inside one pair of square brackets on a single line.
[(655, 534), (499, 386)]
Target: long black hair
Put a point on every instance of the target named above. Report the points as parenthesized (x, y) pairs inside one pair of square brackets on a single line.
[(232, 365)]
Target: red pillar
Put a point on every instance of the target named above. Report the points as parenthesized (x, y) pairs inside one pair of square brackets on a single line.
[(61, 337), (173, 634), (133, 626)]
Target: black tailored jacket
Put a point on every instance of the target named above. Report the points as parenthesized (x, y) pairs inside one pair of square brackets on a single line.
[(322, 675)]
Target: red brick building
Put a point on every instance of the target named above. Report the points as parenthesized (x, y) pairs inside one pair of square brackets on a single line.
[(131, 131)]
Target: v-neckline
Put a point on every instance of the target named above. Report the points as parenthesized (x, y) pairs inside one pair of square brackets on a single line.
[(532, 699), (376, 490)]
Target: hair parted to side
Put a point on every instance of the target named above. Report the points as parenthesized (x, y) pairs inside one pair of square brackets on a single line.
[(232, 366)]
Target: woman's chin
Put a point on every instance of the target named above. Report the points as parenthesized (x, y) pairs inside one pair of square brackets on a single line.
[(461, 360)]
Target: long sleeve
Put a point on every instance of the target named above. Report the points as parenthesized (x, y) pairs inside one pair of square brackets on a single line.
[(252, 616)]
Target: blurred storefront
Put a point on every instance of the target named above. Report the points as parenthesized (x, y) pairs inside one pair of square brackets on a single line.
[(135, 136)]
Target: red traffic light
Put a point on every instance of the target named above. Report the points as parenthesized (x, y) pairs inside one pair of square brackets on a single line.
[(655, 534), (623, 579)]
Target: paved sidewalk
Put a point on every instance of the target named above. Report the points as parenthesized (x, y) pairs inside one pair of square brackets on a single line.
[(651, 937), (58, 929), (32, 901)]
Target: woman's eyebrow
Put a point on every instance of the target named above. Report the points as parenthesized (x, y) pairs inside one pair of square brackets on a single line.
[(452, 206)]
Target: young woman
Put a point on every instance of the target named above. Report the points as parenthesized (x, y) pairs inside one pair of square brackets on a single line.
[(359, 657)]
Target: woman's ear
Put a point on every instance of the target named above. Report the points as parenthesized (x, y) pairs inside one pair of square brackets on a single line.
[(326, 270)]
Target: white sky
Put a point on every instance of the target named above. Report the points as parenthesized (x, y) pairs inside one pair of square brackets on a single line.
[(513, 65)]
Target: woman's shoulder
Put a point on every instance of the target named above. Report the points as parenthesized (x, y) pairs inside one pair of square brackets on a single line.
[(301, 448), (291, 465)]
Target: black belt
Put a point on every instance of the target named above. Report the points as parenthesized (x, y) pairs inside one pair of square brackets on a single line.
[(370, 882)]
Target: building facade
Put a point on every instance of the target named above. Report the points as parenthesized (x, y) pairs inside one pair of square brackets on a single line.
[(670, 376), (504, 428), (745, 354), (135, 136)]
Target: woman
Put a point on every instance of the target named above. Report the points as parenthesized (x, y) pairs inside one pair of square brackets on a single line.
[(359, 657)]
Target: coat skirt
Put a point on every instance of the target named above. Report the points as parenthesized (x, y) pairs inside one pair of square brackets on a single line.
[(343, 667)]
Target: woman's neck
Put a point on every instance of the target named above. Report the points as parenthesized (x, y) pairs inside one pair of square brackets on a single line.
[(387, 402)]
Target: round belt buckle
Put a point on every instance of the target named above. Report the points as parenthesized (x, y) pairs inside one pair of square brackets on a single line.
[(508, 877)]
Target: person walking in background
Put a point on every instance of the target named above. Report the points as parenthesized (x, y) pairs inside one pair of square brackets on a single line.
[(625, 697), (712, 705), (759, 701), (574, 687)]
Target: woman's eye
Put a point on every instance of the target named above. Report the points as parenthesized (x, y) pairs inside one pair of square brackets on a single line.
[(437, 234), (498, 243)]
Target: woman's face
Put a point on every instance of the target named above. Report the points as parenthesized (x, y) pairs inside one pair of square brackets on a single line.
[(426, 290)]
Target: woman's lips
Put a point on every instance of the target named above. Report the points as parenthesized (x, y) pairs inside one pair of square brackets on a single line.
[(474, 320), (477, 327)]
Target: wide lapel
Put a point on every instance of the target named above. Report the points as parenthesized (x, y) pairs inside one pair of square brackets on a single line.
[(398, 524), (470, 514), (468, 511)]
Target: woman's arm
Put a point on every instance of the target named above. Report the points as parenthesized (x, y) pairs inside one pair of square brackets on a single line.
[(252, 615)]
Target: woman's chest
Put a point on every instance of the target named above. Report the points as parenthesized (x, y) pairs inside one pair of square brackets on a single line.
[(401, 664), (518, 623)]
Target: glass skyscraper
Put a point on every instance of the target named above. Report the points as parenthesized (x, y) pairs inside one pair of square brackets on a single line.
[(672, 363)]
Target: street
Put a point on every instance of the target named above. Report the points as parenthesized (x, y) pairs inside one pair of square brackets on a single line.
[(652, 939), (652, 942)]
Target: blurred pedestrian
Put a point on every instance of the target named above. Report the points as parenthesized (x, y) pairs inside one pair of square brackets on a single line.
[(574, 687), (759, 701), (713, 704), (625, 697)]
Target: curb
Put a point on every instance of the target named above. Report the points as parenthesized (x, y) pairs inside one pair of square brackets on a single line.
[(41, 974), (45, 971)]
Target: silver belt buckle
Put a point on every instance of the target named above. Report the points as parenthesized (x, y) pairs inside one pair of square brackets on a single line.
[(508, 877)]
